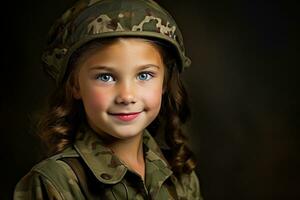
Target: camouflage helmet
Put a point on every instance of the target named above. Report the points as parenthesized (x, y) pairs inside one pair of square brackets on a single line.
[(91, 19)]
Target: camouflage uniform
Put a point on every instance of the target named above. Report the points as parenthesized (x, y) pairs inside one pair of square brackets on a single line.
[(54, 179)]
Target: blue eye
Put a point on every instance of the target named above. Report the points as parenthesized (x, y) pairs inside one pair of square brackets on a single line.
[(105, 77), (144, 76)]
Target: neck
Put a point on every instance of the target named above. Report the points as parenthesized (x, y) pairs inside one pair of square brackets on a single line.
[(130, 151)]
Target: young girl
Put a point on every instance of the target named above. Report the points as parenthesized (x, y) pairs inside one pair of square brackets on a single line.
[(117, 65)]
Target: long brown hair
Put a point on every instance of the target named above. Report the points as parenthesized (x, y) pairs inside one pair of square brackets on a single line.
[(58, 126)]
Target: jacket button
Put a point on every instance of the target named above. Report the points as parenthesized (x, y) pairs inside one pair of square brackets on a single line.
[(105, 176)]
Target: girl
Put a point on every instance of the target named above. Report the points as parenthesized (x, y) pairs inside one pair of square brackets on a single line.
[(117, 65)]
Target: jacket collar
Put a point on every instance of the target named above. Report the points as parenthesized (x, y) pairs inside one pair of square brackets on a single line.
[(106, 166)]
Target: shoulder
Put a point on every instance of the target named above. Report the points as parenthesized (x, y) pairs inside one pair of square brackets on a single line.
[(187, 185), (49, 179), (52, 167)]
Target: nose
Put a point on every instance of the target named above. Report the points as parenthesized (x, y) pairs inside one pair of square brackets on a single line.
[(126, 93)]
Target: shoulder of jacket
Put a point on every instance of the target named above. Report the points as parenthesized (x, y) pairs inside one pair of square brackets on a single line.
[(187, 184), (53, 175), (53, 166), (56, 171), (187, 177)]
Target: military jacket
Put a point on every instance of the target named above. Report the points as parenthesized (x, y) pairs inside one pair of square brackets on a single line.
[(54, 179)]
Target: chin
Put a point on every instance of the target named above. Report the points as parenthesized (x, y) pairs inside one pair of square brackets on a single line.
[(126, 134)]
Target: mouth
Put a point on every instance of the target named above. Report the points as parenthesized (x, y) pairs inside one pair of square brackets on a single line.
[(125, 116)]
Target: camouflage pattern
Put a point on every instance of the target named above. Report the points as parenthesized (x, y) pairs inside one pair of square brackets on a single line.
[(90, 19), (54, 179)]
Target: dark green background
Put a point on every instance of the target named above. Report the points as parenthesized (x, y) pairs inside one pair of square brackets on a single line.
[(243, 87)]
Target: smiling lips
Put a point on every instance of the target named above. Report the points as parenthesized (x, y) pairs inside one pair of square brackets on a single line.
[(126, 116)]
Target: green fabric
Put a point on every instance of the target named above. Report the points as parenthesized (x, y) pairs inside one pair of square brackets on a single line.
[(91, 19), (54, 179)]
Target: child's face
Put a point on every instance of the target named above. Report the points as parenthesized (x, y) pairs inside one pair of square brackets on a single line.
[(121, 87)]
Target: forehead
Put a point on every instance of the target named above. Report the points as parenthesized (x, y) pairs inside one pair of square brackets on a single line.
[(121, 49), (110, 42)]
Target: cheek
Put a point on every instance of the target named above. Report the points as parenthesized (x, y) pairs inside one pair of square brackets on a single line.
[(153, 95), (96, 100), (153, 98)]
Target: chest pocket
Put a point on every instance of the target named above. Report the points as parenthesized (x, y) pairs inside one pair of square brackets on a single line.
[(87, 184), (90, 187)]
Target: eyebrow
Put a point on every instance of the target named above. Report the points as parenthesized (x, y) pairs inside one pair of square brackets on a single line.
[(101, 67), (107, 68), (142, 67)]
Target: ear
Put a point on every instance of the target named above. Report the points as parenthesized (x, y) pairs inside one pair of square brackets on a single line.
[(76, 91), (164, 86), (164, 89)]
